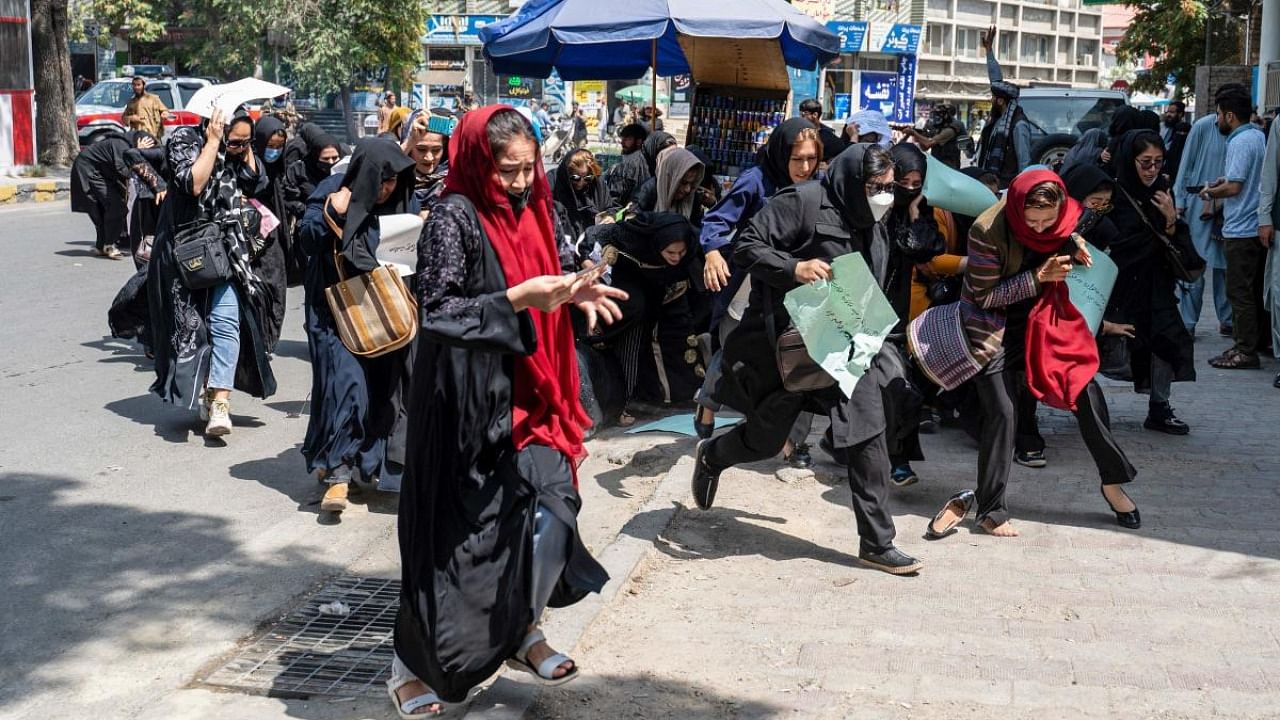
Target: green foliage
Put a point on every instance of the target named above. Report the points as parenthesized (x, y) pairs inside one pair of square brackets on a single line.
[(1173, 32), (336, 40), (144, 19)]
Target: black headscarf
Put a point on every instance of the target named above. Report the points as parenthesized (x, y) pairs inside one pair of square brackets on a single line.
[(267, 128), (1127, 173), (846, 187), (642, 238), (581, 206), (774, 158), (907, 158), (1148, 120), (1083, 179), (316, 170), (654, 144), (374, 160)]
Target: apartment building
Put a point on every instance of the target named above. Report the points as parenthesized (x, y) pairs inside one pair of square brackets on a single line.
[(1044, 42)]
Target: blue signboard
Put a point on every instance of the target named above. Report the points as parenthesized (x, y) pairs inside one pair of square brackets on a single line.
[(903, 39), (904, 107), (456, 29), (853, 34), (804, 85), (878, 91), (842, 106)]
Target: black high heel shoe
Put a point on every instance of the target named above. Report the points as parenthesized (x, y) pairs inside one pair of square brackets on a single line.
[(704, 430), (1131, 519)]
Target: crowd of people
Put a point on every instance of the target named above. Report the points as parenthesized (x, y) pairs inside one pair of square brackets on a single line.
[(551, 302)]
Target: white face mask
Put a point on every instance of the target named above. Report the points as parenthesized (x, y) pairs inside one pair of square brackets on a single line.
[(880, 204)]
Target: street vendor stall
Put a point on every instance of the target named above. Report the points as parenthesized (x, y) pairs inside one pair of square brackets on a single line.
[(738, 56)]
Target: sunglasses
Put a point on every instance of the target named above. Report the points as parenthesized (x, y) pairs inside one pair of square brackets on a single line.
[(877, 188), (1147, 164), (237, 144), (582, 178)]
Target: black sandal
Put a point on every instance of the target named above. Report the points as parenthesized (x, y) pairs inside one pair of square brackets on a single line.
[(963, 503), (1235, 360)]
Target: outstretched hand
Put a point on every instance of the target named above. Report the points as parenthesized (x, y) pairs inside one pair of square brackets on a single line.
[(598, 302)]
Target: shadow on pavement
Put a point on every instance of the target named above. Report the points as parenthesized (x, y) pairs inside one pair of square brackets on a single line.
[(96, 576), (171, 423), (726, 532), (286, 473), (122, 351), (593, 697)]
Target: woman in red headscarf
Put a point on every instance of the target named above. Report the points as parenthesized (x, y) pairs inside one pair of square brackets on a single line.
[(1015, 324), (488, 510)]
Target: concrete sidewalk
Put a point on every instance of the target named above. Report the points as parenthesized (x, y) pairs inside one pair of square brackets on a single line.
[(55, 186)]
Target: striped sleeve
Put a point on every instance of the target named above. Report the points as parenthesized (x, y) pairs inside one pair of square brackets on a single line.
[(983, 281)]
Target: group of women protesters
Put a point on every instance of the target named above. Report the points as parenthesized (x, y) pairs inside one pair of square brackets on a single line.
[(523, 281)]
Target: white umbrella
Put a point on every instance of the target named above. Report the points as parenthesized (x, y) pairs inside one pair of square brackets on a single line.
[(229, 96)]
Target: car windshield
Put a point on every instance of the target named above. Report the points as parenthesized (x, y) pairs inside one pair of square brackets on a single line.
[(110, 94), (1070, 115), (161, 90)]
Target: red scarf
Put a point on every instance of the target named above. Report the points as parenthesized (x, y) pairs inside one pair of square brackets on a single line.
[(545, 405), (1062, 355)]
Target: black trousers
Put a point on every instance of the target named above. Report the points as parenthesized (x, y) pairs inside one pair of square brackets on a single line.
[(763, 433), (998, 391), (1246, 263), (1027, 438), (108, 215)]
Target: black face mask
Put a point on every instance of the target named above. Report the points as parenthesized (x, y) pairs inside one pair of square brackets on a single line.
[(519, 200), (903, 197)]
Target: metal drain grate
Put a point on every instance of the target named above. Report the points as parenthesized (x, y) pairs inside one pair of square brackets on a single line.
[(310, 653)]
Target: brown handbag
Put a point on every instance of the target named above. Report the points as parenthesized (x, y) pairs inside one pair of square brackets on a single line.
[(374, 311), (796, 367)]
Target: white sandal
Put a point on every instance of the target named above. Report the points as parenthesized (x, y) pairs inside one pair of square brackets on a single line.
[(406, 709), (545, 672)]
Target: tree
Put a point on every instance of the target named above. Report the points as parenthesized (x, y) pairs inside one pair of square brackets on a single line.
[(337, 41), (1173, 33), (55, 103)]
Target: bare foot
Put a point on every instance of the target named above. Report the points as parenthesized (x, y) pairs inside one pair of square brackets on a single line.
[(540, 652), (414, 689), (1004, 529), (1119, 499)]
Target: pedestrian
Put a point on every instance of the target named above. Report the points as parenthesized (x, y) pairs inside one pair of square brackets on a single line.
[(869, 126), (210, 341), (602, 122), (632, 138), (543, 115), (145, 111), (1161, 350), (677, 175), (147, 190), (791, 155), (100, 176), (579, 135), (395, 123), (488, 510), (1268, 215), (1173, 132), (323, 152), (1097, 145), (282, 264), (1203, 158), (385, 108), (355, 400), (579, 192), (1004, 146), (943, 135), (428, 147), (626, 177), (790, 242), (1021, 248), (832, 144), (1240, 189), (621, 116)]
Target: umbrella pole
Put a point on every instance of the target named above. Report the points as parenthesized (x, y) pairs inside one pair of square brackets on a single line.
[(653, 93)]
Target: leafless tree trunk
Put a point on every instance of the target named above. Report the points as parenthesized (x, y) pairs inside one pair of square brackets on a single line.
[(55, 101)]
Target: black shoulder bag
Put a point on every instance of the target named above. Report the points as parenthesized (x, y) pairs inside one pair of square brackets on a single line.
[(1179, 254), (201, 254)]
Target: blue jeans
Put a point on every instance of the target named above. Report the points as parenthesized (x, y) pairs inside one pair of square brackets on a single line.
[(224, 336), (1191, 299)]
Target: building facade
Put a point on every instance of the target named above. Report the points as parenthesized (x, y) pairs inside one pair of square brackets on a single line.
[(1040, 42)]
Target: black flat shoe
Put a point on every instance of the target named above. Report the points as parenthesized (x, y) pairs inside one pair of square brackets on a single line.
[(1131, 520), (1031, 459), (892, 561), (703, 430), (705, 480), (800, 458), (1161, 419), (960, 504)]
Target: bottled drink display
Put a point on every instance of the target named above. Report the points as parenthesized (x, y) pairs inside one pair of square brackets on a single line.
[(731, 129)]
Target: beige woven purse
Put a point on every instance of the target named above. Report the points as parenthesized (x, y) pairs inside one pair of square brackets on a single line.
[(375, 313)]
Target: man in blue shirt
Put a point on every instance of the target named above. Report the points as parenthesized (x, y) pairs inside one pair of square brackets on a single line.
[(1239, 188)]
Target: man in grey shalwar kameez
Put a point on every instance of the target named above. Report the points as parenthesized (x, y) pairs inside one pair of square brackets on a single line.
[(1268, 218), (1203, 160)]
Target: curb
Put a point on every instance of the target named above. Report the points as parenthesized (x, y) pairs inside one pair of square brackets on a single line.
[(506, 699), (47, 190)]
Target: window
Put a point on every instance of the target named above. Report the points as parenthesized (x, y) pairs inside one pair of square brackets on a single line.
[(976, 8), (1087, 52), (161, 90), (1088, 23), (1037, 49), (941, 7), (1010, 13), (935, 40), (1036, 15), (109, 93), (968, 42), (1068, 21), (1070, 115), (186, 90), (1008, 43)]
